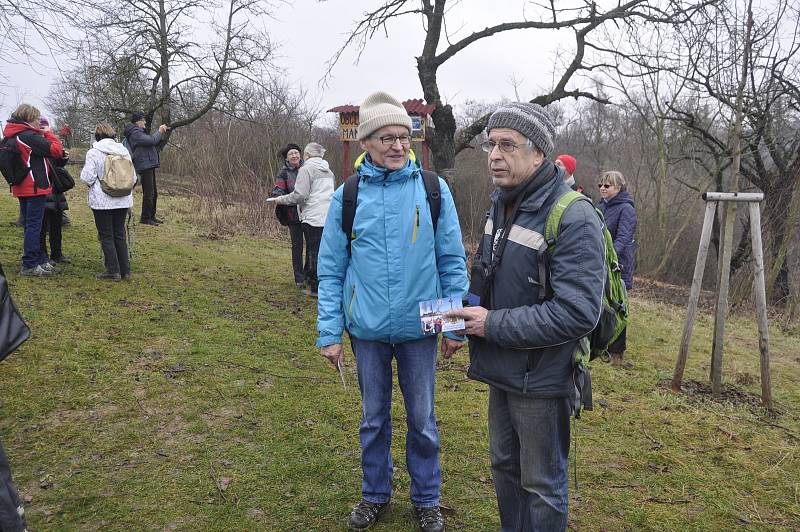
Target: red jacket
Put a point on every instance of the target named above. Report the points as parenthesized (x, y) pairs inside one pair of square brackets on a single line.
[(35, 146)]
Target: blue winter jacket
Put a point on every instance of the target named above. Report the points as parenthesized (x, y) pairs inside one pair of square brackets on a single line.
[(396, 260), (620, 215)]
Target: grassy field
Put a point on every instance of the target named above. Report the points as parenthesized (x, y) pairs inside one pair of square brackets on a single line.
[(192, 398)]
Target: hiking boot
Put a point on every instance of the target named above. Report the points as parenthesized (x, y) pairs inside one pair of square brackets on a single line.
[(616, 359), (65, 220), (158, 220), (63, 259), (108, 276), (50, 267), (430, 519), (365, 514), (36, 271), (310, 292), (148, 222)]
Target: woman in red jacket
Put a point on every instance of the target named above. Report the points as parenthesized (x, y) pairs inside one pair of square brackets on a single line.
[(35, 146)]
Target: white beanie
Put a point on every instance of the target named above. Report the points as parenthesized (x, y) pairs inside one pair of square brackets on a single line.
[(380, 110)]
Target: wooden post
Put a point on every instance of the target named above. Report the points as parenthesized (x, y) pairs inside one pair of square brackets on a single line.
[(761, 304), (721, 308), (345, 160), (694, 295), (426, 164)]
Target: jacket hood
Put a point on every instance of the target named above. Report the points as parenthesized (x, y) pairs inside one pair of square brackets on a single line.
[(622, 197), (129, 129), (372, 172), (110, 147), (319, 163), (14, 127)]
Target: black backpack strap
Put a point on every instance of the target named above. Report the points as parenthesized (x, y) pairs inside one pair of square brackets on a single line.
[(434, 194), (349, 201)]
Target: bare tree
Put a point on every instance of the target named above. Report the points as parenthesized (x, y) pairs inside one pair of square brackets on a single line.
[(187, 63), (751, 82), (583, 18)]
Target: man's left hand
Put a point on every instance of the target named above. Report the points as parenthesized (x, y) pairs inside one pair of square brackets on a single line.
[(270, 200), (474, 320), (449, 346)]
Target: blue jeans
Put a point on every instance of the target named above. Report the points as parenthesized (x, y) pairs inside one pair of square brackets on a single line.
[(416, 369), (529, 445), (32, 209)]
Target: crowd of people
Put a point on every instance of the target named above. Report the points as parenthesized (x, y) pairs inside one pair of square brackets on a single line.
[(42, 204), (401, 246)]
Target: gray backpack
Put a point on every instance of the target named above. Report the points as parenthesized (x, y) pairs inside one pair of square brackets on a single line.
[(118, 177)]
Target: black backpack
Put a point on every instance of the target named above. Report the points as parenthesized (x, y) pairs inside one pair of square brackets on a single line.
[(350, 199), (11, 164)]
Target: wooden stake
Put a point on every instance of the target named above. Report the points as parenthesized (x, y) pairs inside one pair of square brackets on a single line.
[(694, 295), (723, 286), (761, 304)]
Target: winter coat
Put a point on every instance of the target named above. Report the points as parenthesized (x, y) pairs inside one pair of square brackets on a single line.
[(56, 201), (144, 147), (95, 168), (34, 146), (284, 184), (620, 215), (530, 342), (396, 259), (312, 192)]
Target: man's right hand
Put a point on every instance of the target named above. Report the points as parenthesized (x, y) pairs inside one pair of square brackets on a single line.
[(163, 128), (334, 353)]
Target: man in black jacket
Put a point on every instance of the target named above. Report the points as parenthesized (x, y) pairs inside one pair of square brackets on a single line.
[(523, 340), (144, 152)]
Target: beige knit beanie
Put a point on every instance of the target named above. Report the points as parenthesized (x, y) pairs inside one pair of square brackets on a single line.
[(379, 110)]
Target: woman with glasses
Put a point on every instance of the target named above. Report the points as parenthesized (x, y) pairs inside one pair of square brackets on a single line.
[(618, 208)]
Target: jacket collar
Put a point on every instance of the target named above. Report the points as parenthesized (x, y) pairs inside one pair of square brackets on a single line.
[(371, 172), (15, 127)]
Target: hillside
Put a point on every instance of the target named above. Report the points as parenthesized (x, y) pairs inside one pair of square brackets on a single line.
[(192, 398)]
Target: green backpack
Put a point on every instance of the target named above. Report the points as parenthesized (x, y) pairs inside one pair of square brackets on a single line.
[(614, 315)]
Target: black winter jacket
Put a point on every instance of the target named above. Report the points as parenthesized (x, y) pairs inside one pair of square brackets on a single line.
[(530, 343), (144, 148)]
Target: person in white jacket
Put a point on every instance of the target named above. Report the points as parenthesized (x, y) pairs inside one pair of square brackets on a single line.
[(312, 194), (109, 212)]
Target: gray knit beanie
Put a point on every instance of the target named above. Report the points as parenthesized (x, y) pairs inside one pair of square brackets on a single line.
[(379, 110), (530, 119)]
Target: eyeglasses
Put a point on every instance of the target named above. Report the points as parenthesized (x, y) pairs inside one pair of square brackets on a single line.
[(604, 185), (389, 140), (506, 146)]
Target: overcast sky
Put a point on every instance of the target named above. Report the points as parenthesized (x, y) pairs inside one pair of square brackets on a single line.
[(309, 32)]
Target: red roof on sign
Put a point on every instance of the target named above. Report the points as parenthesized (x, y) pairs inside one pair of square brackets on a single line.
[(414, 107)]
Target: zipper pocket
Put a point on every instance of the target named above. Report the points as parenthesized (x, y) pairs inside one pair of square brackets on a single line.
[(350, 306), (416, 226)]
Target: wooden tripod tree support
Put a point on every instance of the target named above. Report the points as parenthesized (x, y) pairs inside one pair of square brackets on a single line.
[(713, 199)]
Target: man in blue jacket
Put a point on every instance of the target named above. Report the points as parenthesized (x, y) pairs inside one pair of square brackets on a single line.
[(523, 340), (395, 262), (144, 152)]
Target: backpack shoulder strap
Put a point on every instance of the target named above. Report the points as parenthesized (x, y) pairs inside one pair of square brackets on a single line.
[(434, 194), (349, 201), (556, 212)]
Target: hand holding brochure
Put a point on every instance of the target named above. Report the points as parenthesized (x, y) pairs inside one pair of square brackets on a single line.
[(431, 319)]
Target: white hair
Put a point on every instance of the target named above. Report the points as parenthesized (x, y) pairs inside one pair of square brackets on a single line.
[(314, 150)]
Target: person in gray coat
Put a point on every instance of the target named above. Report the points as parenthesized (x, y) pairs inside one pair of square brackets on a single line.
[(312, 195), (144, 150), (523, 340)]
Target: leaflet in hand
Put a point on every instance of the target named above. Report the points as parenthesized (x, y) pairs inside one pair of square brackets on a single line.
[(432, 319)]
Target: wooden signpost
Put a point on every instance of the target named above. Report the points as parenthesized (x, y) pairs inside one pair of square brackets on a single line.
[(713, 201), (417, 109)]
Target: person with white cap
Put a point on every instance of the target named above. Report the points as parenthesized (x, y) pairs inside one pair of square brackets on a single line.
[(371, 283), (526, 321)]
